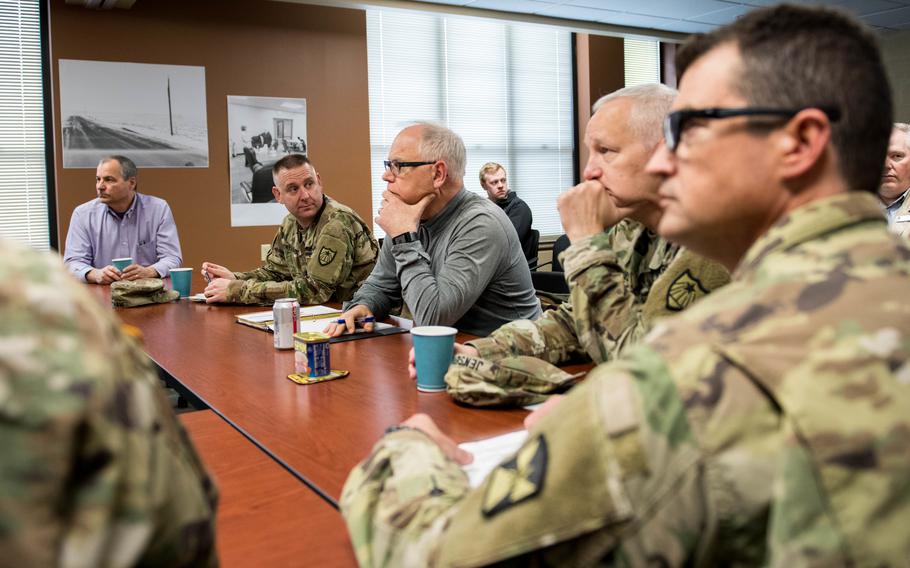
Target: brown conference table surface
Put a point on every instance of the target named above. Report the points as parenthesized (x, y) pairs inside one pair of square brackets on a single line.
[(319, 432), (266, 517)]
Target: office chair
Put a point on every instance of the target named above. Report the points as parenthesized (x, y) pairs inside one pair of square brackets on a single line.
[(531, 252), (561, 244), (550, 287)]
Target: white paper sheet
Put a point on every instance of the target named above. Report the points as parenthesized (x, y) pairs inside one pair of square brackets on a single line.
[(489, 453), (319, 324), (305, 312)]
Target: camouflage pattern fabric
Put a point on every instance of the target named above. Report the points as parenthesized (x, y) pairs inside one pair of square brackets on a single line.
[(96, 470), (766, 425), (142, 292), (620, 282), (516, 381), (611, 304), (327, 261)]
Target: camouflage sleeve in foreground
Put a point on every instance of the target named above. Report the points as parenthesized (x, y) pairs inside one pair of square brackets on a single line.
[(551, 338), (96, 470), (628, 492), (407, 487)]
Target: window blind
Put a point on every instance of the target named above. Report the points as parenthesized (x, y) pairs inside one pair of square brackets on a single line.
[(642, 61), (505, 88), (23, 185)]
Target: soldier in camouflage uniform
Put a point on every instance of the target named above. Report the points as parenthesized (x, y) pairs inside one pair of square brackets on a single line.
[(96, 470), (620, 279), (323, 250), (768, 424)]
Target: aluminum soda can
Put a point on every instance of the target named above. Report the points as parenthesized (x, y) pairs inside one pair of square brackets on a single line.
[(286, 316)]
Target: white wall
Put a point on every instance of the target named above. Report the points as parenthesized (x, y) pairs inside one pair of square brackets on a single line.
[(896, 52)]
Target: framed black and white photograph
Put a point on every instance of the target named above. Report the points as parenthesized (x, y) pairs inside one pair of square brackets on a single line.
[(261, 131), (153, 114)]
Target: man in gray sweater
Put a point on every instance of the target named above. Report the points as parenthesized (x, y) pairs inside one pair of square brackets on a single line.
[(452, 257)]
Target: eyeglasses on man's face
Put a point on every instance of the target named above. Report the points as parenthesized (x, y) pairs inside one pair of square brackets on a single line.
[(394, 166), (675, 123)]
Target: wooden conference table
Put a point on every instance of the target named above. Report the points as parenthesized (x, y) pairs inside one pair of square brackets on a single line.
[(266, 517), (318, 432)]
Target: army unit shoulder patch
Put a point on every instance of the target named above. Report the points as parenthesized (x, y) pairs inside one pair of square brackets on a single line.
[(326, 256), (518, 479), (683, 291)]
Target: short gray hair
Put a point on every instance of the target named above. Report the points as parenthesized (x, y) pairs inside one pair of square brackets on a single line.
[(651, 103), (128, 168), (440, 143), (905, 128)]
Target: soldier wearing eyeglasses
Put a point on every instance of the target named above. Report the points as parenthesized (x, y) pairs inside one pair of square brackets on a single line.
[(768, 424), (450, 256)]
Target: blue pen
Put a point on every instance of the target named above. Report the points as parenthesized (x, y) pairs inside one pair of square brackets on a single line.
[(359, 321)]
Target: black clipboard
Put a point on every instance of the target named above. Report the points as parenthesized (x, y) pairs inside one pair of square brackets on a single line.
[(367, 334)]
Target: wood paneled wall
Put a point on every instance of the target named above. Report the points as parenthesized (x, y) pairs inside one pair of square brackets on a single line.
[(247, 47)]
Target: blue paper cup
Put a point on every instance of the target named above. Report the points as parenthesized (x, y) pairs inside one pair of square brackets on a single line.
[(181, 279), (121, 263), (433, 350)]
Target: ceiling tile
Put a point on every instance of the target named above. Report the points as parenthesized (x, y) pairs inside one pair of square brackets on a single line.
[(521, 6), (626, 19), (575, 12), (755, 3), (890, 19), (863, 7), (449, 2), (657, 8), (683, 16), (722, 17), (855, 6)]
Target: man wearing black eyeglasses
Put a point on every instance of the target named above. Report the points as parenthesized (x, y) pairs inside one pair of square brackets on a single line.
[(768, 424), (450, 256)]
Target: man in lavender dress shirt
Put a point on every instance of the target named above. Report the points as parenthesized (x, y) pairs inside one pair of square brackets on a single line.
[(121, 223)]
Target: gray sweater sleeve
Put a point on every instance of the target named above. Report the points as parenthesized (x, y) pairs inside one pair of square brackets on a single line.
[(381, 292), (474, 250)]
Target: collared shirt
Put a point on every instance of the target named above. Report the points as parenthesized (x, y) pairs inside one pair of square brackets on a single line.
[(891, 210), (146, 232)]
